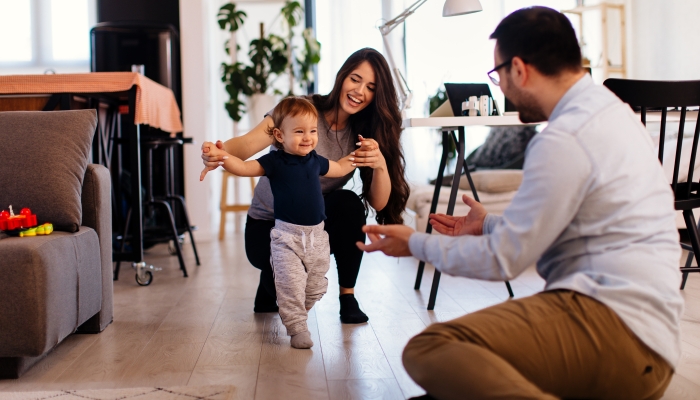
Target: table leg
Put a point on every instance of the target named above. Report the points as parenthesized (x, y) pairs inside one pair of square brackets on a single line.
[(135, 164), (97, 138), (450, 205), (476, 197), (436, 197)]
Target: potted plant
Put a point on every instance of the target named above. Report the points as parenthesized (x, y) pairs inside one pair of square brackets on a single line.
[(271, 56)]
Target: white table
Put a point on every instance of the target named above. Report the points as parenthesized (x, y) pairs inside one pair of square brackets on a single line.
[(448, 126), (443, 122)]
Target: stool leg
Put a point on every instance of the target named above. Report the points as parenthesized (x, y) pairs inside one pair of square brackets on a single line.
[(222, 205), (176, 240), (181, 201)]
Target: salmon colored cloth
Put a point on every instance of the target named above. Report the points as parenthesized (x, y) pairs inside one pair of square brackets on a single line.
[(155, 104)]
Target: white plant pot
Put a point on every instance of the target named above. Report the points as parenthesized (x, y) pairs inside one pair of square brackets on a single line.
[(258, 105)]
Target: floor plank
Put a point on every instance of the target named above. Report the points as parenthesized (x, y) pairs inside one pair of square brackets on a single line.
[(408, 387), (201, 331), (682, 388), (286, 372), (380, 389)]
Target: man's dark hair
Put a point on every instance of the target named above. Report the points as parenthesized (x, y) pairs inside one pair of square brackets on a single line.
[(541, 37)]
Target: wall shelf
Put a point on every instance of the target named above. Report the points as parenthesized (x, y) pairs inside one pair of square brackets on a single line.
[(605, 64)]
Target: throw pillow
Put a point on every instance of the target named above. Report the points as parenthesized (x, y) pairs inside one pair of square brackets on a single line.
[(502, 146), (494, 181), (43, 162)]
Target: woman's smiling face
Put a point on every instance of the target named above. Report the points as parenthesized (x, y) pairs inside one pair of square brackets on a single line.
[(358, 89)]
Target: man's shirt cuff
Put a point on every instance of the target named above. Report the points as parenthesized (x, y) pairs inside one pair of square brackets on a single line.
[(416, 244)]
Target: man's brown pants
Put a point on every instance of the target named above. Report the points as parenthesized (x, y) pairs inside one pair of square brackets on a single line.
[(556, 344)]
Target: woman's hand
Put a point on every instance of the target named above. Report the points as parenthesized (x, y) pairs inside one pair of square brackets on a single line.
[(212, 161), (368, 155), (471, 224)]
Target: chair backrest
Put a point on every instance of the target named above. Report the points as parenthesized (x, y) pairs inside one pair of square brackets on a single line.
[(662, 95)]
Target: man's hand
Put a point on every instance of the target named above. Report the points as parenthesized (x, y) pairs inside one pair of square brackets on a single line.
[(471, 224), (394, 243)]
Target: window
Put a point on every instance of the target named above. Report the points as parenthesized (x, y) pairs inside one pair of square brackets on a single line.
[(343, 27), (41, 35), (15, 31)]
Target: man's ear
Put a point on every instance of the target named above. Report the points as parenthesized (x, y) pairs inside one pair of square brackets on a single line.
[(519, 71)]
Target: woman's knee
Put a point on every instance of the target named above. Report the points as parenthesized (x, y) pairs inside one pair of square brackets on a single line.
[(345, 204), (257, 243)]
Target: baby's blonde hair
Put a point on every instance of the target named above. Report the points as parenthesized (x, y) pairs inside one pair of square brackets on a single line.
[(289, 107)]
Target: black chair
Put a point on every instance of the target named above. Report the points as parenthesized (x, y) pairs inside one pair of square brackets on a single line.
[(661, 96)]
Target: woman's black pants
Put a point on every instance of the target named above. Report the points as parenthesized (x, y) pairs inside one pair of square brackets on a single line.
[(345, 216)]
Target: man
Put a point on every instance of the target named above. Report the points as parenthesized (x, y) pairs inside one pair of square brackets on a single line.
[(594, 211)]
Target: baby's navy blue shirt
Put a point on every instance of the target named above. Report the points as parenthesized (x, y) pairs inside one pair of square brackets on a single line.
[(296, 187)]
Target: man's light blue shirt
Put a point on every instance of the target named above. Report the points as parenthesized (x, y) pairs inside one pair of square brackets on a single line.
[(594, 211)]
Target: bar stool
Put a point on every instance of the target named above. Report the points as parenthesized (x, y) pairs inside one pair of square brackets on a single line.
[(165, 203)]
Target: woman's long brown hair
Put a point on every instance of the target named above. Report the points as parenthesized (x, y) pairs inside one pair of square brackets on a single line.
[(381, 121)]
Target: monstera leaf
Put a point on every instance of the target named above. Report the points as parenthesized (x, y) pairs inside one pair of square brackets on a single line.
[(268, 58), (229, 16)]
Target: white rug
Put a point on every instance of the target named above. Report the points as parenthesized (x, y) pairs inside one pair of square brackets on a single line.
[(172, 393)]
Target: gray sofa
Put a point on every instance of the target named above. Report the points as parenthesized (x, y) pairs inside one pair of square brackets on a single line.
[(54, 285)]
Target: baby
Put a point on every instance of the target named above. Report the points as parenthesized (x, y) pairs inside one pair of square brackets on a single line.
[(300, 251)]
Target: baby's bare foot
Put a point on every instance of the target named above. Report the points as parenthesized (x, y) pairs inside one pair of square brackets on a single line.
[(302, 340)]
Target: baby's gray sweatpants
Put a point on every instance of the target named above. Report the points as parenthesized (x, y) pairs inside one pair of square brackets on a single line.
[(300, 257)]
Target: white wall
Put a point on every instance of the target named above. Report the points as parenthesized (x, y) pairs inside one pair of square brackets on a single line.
[(197, 114), (664, 39)]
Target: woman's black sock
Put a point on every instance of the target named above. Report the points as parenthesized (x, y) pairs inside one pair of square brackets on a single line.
[(350, 312)]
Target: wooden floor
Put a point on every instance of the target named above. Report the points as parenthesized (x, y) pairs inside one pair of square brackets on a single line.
[(201, 330)]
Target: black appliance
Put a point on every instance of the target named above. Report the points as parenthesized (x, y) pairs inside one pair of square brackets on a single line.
[(117, 46)]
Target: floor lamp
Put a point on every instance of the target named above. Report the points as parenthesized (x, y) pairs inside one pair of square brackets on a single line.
[(450, 9)]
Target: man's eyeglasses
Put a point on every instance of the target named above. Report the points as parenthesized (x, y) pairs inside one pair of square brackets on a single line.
[(493, 74)]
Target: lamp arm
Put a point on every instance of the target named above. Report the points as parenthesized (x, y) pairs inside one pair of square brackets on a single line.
[(396, 21), (405, 93), (395, 71)]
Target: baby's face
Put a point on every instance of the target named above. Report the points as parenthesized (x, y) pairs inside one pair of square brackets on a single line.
[(298, 134)]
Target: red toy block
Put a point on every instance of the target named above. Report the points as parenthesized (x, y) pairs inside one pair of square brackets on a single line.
[(10, 221)]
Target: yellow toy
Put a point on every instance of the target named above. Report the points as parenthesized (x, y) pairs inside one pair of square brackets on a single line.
[(44, 229)]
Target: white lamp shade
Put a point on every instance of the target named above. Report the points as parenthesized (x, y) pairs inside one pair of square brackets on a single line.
[(460, 7)]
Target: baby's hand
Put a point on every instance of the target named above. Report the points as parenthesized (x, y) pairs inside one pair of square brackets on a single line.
[(213, 150), (204, 172)]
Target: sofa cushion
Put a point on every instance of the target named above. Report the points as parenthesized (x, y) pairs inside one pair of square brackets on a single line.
[(494, 181), (50, 286), (43, 163)]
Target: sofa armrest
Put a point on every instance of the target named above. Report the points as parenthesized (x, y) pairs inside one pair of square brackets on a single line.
[(97, 214)]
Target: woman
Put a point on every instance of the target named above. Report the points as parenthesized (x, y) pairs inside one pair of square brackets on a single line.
[(362, 107)]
